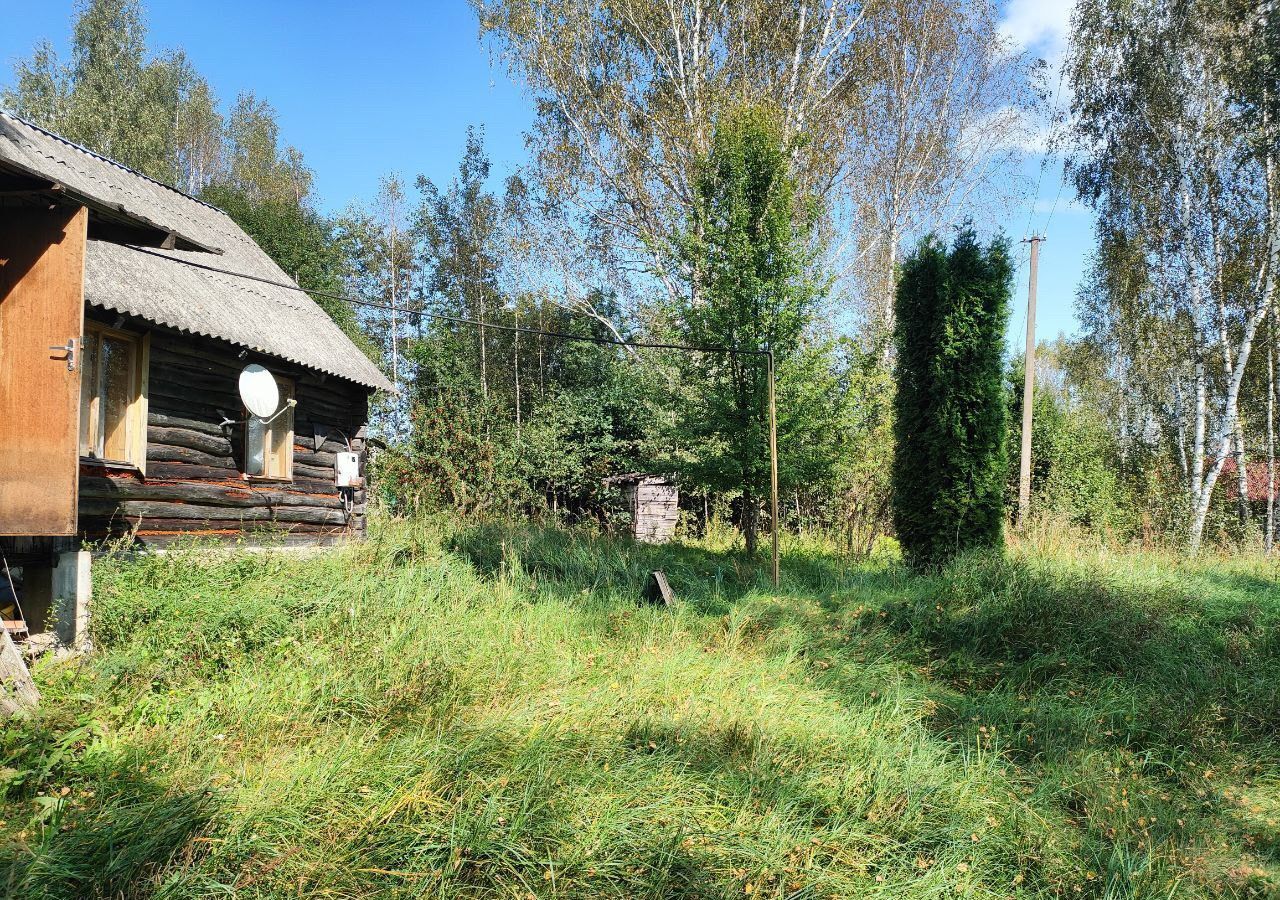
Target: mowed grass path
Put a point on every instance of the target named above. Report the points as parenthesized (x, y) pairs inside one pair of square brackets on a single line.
[(487, 712)]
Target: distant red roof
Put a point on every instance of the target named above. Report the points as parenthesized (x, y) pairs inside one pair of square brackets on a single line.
[(1256, 472)]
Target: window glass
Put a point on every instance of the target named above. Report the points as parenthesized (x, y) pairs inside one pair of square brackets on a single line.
[(109, 396), (89, 395), (117, 394), (269, 444), (255, 455)]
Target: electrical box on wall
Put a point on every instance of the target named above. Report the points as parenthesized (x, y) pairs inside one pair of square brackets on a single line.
[(347, 470)]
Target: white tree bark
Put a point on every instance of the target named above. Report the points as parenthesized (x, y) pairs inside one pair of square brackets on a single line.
[(1269, 538)]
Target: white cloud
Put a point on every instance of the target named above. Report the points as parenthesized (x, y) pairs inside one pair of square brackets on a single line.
[(1040, 26)]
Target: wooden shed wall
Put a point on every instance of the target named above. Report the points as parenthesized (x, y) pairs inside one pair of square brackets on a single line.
[(654, 509), (193, 483)]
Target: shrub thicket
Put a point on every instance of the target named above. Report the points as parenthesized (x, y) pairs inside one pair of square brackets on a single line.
[(948, 473)]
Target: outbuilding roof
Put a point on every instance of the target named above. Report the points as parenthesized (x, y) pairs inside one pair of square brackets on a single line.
[(161, 285)]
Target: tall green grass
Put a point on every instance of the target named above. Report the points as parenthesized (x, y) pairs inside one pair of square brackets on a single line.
[(455, 711)]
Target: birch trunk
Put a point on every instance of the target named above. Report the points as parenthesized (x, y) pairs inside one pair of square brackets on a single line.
[(1269, 538), (1226, 422), (1197, 442)]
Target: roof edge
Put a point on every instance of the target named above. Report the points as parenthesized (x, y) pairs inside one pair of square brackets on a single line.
[(106, 159)]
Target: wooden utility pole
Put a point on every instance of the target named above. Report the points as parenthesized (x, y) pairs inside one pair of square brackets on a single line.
[(1028, 385), (773, 468), (393, 212)]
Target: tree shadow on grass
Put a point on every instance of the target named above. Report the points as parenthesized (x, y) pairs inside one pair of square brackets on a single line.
[(567, 563), (1144, 712), (1169, 667), (1132, 705), (116, 832)]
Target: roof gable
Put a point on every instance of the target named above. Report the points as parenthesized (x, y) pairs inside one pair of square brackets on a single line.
[(158, 285)]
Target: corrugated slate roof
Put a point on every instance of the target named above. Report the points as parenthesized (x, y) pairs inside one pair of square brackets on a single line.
[(157, 286)]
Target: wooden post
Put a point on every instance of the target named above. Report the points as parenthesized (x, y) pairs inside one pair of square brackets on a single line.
[(773, 466), (1028, 387)]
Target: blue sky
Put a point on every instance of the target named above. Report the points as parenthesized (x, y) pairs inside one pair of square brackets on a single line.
[(391, 85)]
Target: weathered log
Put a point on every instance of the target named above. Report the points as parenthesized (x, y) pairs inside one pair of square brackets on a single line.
[(246, 494), (308, 457), (319, 473), (176, 396), (170, 453), (217, 445), (204, 426), (181, 471), (17, 690), (164, 470), (186, 352), (146, 509)]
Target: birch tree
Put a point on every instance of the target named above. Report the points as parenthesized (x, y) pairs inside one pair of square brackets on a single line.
[(628, 94), (1177, 153), (154, 113)]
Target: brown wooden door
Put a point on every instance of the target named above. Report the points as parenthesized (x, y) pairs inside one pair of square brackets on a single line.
[(41, 307)]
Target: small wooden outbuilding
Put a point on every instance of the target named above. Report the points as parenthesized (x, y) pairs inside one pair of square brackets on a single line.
[(653, 503), (128, 311)]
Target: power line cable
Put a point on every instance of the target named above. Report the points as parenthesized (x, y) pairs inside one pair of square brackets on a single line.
[(646, 345), (459, 320)]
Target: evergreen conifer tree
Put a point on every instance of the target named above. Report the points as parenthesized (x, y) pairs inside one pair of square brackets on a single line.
[(950, 428)]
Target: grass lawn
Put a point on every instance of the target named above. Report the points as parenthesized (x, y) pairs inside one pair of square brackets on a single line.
[(487, 712)]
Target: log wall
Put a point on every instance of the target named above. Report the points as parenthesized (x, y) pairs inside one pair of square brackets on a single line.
[(194, 484)]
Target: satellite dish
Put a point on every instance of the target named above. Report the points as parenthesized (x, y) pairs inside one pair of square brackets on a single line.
[(258, 391)]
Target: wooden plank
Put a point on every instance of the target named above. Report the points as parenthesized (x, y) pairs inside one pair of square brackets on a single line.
[(657, 590), (17, 690), (41, 306)]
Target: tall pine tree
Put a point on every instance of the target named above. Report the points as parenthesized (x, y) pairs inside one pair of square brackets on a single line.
[(948, 474)]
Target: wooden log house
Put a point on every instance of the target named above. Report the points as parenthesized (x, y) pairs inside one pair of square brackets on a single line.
[(122, 338)]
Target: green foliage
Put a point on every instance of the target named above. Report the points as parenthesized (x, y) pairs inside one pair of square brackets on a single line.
[(748, 252), (950, 461), (498, 420), (1075, 460), (485, 711), (153, 112), (458, 455), (857, 503), (583, 413), (110, 98)]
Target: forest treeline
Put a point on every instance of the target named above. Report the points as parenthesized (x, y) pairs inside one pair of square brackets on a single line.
[(755, 177)]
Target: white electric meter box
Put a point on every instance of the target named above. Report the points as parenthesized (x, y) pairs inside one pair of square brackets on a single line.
[(347, 469)]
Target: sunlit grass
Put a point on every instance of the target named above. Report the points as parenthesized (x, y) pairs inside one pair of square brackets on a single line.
[(487, 711)]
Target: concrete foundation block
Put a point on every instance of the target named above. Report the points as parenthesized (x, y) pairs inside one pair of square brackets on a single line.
[(72, 589)]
